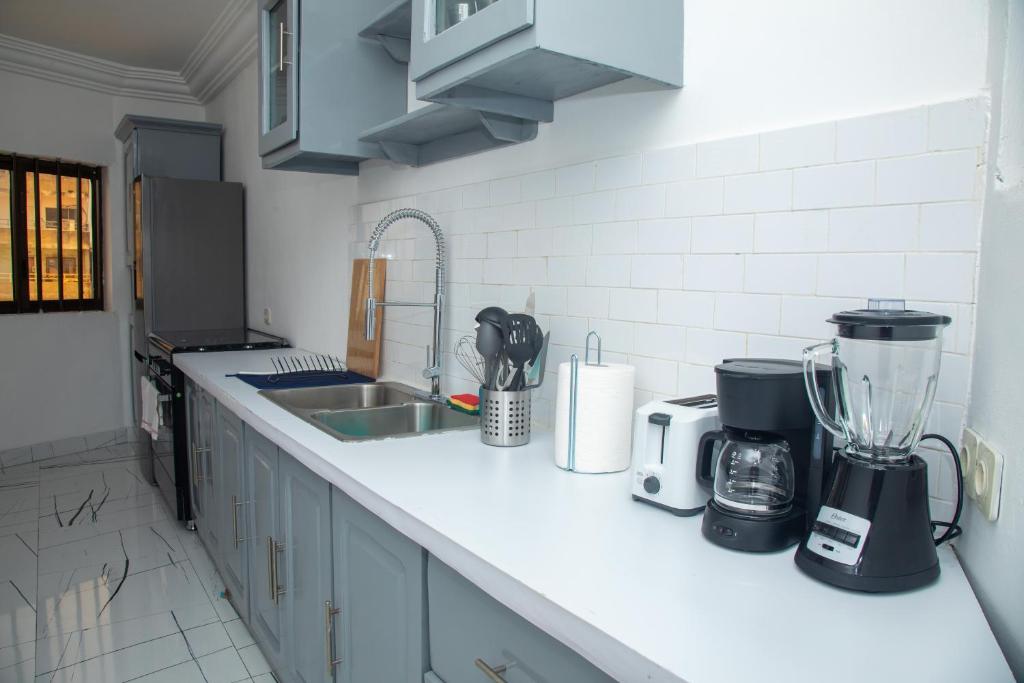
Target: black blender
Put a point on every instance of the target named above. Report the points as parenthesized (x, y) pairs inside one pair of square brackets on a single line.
[(874, 533), (767, 480)]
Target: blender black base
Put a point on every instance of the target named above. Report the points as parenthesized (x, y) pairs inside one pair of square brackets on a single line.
[(750, 533), (827, 571), (885, 507)]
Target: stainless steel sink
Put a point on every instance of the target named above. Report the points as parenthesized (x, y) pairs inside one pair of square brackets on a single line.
[(360, 412)]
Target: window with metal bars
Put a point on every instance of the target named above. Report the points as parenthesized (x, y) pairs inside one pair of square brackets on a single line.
[(51, 256)]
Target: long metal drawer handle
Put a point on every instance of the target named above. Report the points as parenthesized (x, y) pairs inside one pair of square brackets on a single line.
[(329, 614), (493, 674)]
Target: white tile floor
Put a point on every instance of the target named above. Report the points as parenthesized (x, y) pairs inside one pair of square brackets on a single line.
[(98, 582)]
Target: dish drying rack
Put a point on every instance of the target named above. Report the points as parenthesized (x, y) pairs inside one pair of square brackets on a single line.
[(313, 365)]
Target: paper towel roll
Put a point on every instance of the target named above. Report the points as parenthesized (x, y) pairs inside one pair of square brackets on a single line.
[(604, 417)]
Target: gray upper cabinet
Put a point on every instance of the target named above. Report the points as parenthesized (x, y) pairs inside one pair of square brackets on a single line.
[(321, 84), (170, 148), (305, 573), (380, 630), (233, 504), (265, 616), (517, 56), (470, 632)]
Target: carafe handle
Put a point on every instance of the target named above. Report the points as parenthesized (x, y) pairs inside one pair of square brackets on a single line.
[(811, 354), (705, 449)]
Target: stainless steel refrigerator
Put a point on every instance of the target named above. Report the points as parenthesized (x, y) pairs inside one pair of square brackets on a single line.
[(189, 260)]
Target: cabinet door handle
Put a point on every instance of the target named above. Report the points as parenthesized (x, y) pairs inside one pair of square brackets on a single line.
[(329, 614), (276, 590), (493, 674), (281, 33), (270, 569), (234, 520), (192, 460)]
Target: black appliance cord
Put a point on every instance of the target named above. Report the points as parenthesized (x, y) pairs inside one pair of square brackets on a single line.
[(952, 528)]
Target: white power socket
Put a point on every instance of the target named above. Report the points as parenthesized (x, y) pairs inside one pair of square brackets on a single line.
[(983, 473), (266, 316), (968, 455)]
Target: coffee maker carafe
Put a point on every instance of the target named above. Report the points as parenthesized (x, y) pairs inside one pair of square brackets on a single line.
[(769, 469)]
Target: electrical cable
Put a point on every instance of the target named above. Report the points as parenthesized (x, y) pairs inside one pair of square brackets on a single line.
[(952, 528)]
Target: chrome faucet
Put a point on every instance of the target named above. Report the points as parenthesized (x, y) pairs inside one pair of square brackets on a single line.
[(433, 371)]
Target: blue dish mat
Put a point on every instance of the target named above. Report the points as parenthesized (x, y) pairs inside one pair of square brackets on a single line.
[(300, 380)]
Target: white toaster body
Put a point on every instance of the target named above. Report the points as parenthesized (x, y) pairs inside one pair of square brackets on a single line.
[(665, 439)]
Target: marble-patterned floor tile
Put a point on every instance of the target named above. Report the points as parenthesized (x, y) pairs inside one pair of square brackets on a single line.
[(89, 519), (203, 640), (264, 678), (18, 673), (239, 634), (17, 615), (106, 598), (193, 616), (186, 672), (122, 476), (255, 662), (148, 538), (126, 664), (224, 665), (16, 654), (211, 580), (19, 504), (78, 646)]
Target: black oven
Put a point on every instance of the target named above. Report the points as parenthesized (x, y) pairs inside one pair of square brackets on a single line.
[(170, 473)]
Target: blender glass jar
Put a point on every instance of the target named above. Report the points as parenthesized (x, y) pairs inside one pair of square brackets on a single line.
[(754, 475), (885, 367)]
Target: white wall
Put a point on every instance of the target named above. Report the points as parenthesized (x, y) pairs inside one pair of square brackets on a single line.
[(297, 232), (992, 551), (64, 374)]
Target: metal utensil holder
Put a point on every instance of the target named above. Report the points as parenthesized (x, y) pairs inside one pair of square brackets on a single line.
[(574, 390), (505, 417)]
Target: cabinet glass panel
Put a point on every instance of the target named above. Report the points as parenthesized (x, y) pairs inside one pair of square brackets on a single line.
[(451, 12), (277, 60)]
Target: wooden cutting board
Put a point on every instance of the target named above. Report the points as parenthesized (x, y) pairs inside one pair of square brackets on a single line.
[(364, 356)]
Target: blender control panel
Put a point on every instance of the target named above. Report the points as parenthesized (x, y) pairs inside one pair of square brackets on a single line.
[(838, 535)]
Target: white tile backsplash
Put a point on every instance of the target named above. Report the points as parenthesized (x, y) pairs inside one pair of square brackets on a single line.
[(683, 256), (796, 147), (666, 165), (727, 157)]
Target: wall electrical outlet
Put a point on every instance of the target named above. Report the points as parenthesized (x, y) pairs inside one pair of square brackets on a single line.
[(968, 456), (987, 480), (266, 316)]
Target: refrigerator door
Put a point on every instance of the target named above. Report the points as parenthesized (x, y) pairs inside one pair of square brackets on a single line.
[(193, 254)]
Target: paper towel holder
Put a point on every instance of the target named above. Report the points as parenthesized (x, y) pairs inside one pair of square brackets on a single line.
[(574, 385)]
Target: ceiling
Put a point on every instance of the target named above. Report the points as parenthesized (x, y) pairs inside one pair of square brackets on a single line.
[(155, 34)]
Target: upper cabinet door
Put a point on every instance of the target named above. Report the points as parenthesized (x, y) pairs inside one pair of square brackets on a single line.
[(279, 69), (445, 31)]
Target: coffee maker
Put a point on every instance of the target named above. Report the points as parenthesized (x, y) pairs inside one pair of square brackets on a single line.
[(767, 481), (873, 533)]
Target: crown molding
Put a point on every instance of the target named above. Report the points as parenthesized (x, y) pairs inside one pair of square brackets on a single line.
[(70, 68), (225, 50)]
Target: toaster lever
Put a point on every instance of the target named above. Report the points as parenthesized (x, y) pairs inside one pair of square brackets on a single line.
[(660, 419)]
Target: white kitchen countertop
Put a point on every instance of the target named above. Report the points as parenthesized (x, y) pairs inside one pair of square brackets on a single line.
[(635, 590)]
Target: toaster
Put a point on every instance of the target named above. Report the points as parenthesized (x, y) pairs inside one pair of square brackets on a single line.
[(665, 439)]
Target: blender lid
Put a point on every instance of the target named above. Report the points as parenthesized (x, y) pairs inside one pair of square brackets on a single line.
[(890, 320)]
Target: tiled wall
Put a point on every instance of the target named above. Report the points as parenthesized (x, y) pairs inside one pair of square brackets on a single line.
[(738, 247)]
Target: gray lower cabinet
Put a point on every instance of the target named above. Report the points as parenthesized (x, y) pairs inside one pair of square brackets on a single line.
[(333, 594), (304, 572), (266, 621), (471, 631), (380, 628), (232, 503)]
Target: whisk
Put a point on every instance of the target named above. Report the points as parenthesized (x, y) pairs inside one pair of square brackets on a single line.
[(470, 358)]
